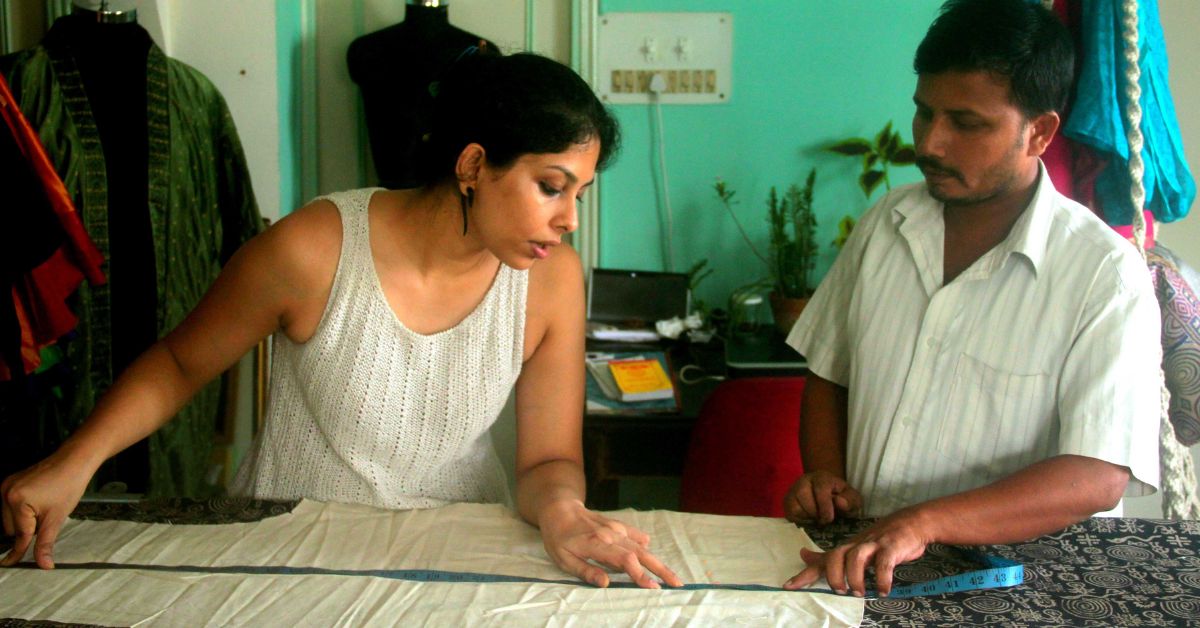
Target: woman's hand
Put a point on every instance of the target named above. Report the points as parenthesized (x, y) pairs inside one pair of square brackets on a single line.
[(35, 503), (574, 535)]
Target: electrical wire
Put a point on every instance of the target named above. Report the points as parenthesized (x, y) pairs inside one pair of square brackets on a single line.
[(662, 167)]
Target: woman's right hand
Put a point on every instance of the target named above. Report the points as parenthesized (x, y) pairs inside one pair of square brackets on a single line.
[(35, 502)]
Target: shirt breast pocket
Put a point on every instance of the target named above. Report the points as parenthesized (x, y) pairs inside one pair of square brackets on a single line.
[(995, 418)]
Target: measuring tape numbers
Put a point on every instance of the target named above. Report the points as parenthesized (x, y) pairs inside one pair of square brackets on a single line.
[(996, 572)]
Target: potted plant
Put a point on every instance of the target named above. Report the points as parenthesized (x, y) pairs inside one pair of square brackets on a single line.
[(887, 149), (792, 249)]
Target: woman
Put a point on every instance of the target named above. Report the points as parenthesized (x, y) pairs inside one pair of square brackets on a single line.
[(402, 319)]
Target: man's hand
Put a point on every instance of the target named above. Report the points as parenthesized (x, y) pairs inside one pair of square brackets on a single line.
[(896, 539), (820, 497), (574, 535)]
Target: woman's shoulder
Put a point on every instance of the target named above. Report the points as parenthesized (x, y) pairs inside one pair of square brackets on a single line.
[(304, 246), (562, 268), (316, 226)]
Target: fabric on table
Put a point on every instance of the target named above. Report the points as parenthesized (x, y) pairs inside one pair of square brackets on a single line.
[(460, 537)]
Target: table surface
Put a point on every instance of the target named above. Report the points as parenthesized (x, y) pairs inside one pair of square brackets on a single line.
[(1101, 572)]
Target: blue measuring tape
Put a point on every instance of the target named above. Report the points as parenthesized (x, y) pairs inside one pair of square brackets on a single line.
[(997, 572)]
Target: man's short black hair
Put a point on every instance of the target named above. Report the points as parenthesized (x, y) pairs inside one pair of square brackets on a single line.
[(1016, 39)]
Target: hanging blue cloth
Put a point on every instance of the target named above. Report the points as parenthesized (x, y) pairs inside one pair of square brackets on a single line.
[(1096, 115)]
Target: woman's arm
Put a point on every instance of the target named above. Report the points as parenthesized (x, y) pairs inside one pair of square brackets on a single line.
[(549, 465), (270, 282)]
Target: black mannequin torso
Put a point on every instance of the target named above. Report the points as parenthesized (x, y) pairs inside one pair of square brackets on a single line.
[(111, 60), (393, 68)]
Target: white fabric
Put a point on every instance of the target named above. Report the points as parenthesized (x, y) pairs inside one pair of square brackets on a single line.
[(461, 537), (368, 411), (1046, 345)]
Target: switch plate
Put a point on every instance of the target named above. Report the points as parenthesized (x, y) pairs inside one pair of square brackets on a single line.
[(693, 52)]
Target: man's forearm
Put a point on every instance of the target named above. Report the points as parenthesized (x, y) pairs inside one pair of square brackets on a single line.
[(1042, 498), (823, 427)]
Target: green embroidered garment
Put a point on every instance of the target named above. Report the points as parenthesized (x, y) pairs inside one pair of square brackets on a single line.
[(201, 208)]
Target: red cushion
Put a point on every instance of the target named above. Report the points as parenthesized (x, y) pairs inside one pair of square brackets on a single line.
[(744, 452)]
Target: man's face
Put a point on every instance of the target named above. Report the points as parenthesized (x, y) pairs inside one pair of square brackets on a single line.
[(972, 142)]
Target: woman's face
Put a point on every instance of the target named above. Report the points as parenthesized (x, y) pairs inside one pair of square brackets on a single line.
[(522, 211)]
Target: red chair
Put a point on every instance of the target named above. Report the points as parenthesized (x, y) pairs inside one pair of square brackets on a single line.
[(744, 452)]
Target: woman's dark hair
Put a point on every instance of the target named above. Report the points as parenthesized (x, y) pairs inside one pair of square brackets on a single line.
[(1016, 39), (513, 105)]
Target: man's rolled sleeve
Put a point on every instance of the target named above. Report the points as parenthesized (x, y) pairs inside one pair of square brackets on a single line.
[(1109, 393)]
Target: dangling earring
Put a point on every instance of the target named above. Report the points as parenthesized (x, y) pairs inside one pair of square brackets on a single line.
[(467, 200)]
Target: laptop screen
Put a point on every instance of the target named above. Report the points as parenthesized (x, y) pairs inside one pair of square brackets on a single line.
[(636, 296)]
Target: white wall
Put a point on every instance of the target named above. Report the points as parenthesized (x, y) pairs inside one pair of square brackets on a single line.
[(1180, 18), (233, 43)]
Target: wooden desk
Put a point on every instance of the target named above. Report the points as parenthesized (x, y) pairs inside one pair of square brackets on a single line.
[(617, 446)]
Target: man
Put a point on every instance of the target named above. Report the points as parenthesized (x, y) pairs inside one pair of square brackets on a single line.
[(984, 352)]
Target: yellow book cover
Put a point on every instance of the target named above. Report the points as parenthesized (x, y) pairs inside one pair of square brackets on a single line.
[(641, 380)]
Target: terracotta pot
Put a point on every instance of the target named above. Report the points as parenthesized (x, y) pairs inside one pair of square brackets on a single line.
[(786, 310)]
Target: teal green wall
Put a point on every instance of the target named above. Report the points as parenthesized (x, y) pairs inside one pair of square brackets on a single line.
[(805, 73), (288, 33)]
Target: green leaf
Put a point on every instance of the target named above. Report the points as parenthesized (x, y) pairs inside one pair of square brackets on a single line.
[(881, 140), (852, 146), (869, 161), (893, 145), (870, 180), (906, 155)]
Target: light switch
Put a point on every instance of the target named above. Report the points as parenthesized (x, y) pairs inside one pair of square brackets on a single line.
[(683, 48), (692, 51)]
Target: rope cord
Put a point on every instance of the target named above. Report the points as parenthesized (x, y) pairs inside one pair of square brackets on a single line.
[(1178, 475)]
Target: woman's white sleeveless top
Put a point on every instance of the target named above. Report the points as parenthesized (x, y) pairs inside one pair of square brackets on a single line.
[(368, 411)]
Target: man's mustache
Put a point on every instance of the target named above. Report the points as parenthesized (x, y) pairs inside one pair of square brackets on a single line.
[(929, 165)]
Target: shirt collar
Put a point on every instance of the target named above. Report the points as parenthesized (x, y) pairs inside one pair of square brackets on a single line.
[(1028, 235)]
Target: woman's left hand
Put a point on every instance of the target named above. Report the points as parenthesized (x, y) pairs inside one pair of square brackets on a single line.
[(573, 535)]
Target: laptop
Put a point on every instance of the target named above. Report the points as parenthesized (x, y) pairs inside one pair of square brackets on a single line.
[(625, 304)]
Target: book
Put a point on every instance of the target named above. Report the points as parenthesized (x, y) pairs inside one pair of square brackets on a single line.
[(602, 401), (641, 380)]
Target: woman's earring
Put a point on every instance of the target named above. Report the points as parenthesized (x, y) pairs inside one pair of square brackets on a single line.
[(467, 199)]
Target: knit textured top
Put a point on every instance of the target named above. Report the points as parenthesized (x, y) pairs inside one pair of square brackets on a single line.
[(369, 411)]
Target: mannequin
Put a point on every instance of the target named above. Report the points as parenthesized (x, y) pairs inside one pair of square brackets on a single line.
[(393, 68), (110, 50), (107, 11)]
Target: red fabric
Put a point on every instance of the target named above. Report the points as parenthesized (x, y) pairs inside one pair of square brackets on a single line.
[(744, 452), (83, 251), (40, 296)]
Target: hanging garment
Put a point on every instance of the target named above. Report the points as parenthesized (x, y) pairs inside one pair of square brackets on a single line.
[(39, 297), (1096, 118), (198, 208)]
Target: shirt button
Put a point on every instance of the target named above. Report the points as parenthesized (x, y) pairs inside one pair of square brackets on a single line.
[(931, 343)]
